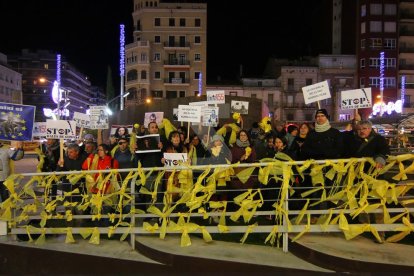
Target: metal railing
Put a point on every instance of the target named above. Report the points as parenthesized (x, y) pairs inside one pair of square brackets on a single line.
[(345, 190)]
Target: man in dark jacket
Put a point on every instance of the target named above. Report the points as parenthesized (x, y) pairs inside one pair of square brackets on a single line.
[(325, 142)]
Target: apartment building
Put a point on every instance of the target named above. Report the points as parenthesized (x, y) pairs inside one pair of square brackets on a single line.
[(167, 58), (10, 83)]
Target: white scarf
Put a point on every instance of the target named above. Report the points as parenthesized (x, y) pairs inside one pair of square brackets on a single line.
[(322, 128)]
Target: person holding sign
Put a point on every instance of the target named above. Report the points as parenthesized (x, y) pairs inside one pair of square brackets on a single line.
[(7, 155)]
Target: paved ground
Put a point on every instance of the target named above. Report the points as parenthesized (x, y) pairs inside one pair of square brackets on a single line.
[(27, 164)]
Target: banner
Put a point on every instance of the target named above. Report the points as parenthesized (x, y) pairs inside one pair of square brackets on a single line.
[(357, 98), (16, 122)]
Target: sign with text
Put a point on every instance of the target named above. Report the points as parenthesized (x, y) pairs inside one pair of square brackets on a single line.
[(82, 119), (316, 92), (60, 129), (216, 97), (210, 116), (98, 117), (357, 98), (39, 129), (175, 159), (188, 113), (16, 122)]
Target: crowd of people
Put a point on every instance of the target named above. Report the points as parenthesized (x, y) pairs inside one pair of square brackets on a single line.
[(317, 140)]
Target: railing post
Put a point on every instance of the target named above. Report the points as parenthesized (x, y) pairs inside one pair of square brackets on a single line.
[(132, 235), (286, 207)]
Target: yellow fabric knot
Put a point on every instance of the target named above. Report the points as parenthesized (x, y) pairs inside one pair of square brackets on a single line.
[(236, 116), (248, 151), (265, 124)]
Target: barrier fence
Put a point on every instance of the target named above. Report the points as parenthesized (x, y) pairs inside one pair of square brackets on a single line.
[(281, 197)]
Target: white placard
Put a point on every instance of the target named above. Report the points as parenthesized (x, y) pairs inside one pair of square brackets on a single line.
[(202, 103), (357, 98), (216, 97), (39, 129), (98, 117), (240, 107), (316, 92), (210, 116), (187, 113), (60, 129), (153, 117), (175, 114), (82, 119), (175, 159)]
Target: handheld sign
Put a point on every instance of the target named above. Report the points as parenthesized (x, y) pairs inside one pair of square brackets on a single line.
[(357, 98), (82, 119), (99, 117), (240, 107), (60, 129), (175, 159), (210, 116), (187, 113), (153, 117), (316, 92), (216, 97), (39, 129)]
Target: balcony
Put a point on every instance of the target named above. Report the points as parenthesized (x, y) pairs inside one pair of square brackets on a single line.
[(177, 81), (144, 43), (177, 45), (176, 62)]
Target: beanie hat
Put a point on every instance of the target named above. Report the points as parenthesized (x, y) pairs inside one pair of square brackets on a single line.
[(218, 137), (322, 111)]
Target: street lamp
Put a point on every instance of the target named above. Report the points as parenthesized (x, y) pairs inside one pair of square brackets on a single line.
[(57, 97), (108, 110)]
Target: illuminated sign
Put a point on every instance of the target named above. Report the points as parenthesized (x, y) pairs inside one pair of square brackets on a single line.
[(122, 50), (200, 83), (402, 89), (381, 107)]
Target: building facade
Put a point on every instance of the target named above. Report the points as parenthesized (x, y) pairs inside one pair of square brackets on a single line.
[(34, 65), (167, 58), (10, 83)]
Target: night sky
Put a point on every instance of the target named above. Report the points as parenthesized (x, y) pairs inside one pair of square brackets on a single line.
[(87, 32)]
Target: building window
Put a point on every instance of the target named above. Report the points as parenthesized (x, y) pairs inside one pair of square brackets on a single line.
[(143, 57), (363, 28), (362, 43), (157, 75), (197, 57), (362, 63), (390, 43), (390, 27), (182, 94), (143, 75), (197, 22), (376, 9), (363, 10), (344, 117), (374, 62), (171, 22), (197, 75), (233, 93), (375, 26), (182, 22), (157, 39), (362, 82), (156, 93), (390, 62), (376, 43), (157, 56), (157, 22), (390, 9), (308, 81), (197, 39), (171, 94)]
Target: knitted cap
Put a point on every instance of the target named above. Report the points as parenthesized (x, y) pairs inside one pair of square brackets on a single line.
[(322, 111), (217, 137)]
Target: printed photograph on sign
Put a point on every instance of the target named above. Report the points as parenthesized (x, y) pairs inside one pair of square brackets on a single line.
[(153, 117), (175, 114), (98, 117), (356, 98), (148, 143), (39, 129), (210, 116), (121, 130), (240, 107)]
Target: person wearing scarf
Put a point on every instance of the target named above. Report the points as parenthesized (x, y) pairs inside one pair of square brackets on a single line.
[(325, 142)]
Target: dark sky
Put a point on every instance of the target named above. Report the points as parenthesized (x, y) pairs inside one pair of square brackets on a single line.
[(86, 32)]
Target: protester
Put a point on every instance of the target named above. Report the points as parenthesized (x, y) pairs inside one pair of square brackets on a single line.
[(7, 155)]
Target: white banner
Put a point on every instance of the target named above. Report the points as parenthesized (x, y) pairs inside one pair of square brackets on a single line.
[(216, 97), (316, 92), (187, 113), (60, 129), (357, 98), (82, 119)]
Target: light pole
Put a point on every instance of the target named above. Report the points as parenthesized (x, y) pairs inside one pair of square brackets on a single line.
[(108, 110), (57, 96)]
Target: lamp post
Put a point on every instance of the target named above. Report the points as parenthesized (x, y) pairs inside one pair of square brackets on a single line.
[(57, 96), (108, 110)]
